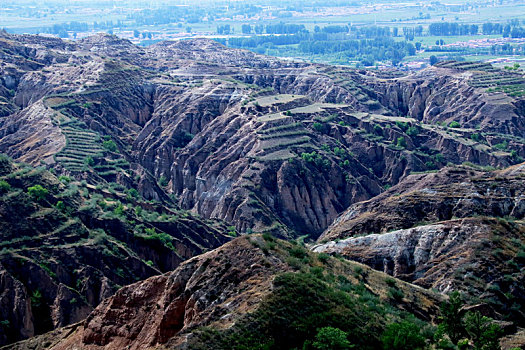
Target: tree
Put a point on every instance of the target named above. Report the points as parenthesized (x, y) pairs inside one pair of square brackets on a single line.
[(119, 209), (329, 338), (60, 206), (418, 46), (401, 142), (136, 33), (403, 335), (451, 317), (110, 145), (37, 192), (4, 186), (482, 331), (433, 60)]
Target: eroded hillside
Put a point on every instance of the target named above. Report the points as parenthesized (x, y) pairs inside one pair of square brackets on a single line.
[(66, 245), (264, 144), (254, 290), (458, 229)]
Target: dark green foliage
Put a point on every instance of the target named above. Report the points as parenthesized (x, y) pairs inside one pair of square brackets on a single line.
[(501, 146), (133, 193), (163, 182), (329, 338), (183, 139), (36, 299), (268, 237), (110, 145), (395, 294), (64, 179), (454, 124), (37, 192), (316, 159), (403, 335), (60, 206), (306, 312), (412, 131), (5, 324), (4, 186), (323, 257), (482, 331), (452, 316), (401, 142), (378, 130), (119, 210), (320, 127), (402, 125), (457, 324), (476, 137)]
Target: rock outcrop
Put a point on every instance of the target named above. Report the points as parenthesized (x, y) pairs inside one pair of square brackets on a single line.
[(458, 229)]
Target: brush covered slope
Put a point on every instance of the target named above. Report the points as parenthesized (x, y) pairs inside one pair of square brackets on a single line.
[(253, 292), (66, 245), (264, 144), (460, 229)]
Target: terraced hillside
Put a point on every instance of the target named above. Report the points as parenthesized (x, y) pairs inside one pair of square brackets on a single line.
[(266, 145), (66, 245)]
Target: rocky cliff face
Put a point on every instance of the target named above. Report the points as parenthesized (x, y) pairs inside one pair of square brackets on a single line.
[(453, 192), (267, 145), (457, 229)]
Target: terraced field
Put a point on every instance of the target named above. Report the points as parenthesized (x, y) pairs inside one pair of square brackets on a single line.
[(81, 144), (266, 101), (488, 77), (467, 65)]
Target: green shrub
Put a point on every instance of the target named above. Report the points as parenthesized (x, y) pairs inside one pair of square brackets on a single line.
[(119, 209), (402, 125), (476, 137), (5, 324), (163, 182), (412, 131), (37, 192), (133, 193), (323, 257), (110, 145), (60, 206), (36, 299), (501, 146), (395, 294), (4, 186), (64, 179), (330, 338), (319, 127), (267, 237), (454, 124), (401, 142), (482, 331), (401, 336)]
